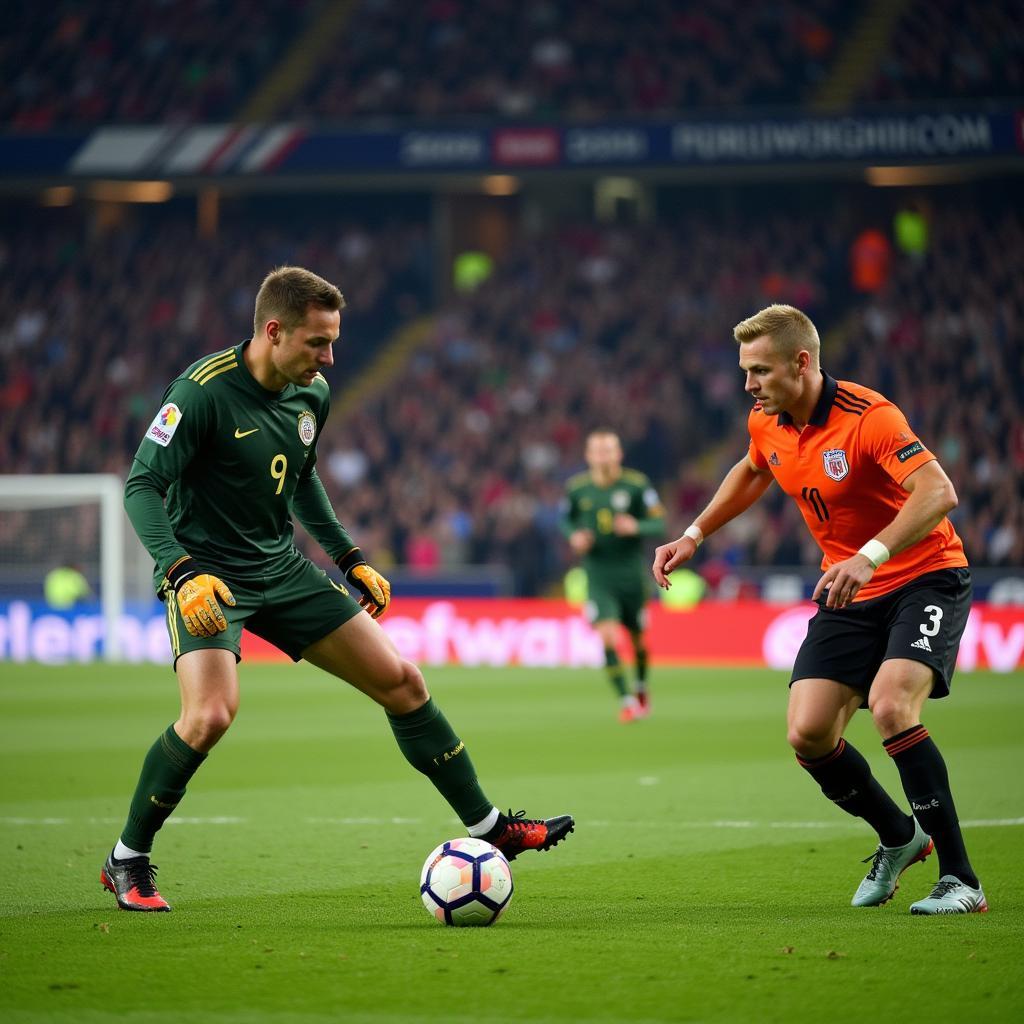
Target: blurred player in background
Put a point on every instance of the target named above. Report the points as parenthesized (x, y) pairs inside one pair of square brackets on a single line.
[(892, 603), (608, 514), (233, 451)]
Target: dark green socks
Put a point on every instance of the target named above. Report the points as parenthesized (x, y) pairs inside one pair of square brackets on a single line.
[(640, 651), (168, 766), (431, 747), (613, 667)]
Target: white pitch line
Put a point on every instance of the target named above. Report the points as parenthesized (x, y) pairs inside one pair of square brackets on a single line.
[(796, 825), (35, 821), (993, 822), (205, 821), (364, 821), (118, 821)]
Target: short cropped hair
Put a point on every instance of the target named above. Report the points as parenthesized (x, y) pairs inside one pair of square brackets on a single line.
[(789, 328), (287, 293)]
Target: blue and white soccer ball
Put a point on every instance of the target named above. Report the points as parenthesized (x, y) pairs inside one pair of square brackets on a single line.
[(466, 882)]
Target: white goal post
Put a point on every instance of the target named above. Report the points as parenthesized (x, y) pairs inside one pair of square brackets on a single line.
[(31, 493)]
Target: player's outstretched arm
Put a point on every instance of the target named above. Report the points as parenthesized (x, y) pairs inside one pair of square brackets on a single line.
[(313, 508), (144, 504), (742, 486), (931, 498), (316, 513)]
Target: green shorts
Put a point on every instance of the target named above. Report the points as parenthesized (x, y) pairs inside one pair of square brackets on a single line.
[(291, 607), (620, 600)]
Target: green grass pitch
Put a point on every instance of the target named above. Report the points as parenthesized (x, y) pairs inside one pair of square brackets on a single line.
[(708, 880)]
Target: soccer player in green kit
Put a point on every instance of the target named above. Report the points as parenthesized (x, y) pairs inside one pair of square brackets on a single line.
[(233, 452), (608, 513)]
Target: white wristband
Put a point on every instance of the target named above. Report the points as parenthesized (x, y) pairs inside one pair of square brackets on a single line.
[(875, 552), (695, 533)]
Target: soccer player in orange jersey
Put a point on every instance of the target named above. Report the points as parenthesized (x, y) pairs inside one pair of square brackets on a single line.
[(892, 602)]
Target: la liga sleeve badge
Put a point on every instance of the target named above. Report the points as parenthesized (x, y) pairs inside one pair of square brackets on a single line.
[(164, 424)]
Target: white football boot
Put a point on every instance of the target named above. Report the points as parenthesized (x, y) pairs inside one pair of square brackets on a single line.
[(887, 864), (951, 896)]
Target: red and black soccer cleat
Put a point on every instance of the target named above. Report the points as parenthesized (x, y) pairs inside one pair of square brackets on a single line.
[(643, 698), (515, 833), (133, 882)]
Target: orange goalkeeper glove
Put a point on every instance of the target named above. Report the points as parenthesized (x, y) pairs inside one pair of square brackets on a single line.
[(197, 595), (375, 589)]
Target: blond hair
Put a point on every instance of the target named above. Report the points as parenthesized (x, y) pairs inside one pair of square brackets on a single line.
[(790, 330), (287, 293)]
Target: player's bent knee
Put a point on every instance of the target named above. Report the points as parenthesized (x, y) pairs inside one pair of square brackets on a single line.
[(202, 727), (892, 715), (812, 739), (409, 691)]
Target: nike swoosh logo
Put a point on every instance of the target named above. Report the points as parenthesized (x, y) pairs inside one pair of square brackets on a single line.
[(245, 433)]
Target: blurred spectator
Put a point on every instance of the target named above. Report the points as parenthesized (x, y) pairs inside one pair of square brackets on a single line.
[(869, 261), (470, 269), (64, 586), (910, 230)]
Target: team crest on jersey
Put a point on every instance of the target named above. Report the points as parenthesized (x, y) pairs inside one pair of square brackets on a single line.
[(620, 500), (307, 427), (164, 424), (836, 466)]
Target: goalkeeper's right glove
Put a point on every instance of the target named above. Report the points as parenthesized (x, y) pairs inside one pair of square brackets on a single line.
[(197, 595)]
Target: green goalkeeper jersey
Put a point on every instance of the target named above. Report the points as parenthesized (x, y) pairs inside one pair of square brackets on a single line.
[(235, 461), (589, 506)]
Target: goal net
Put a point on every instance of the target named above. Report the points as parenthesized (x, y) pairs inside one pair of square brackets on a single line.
[(62, 544)]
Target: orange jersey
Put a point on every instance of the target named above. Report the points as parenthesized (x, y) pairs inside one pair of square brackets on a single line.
[(844, 469)]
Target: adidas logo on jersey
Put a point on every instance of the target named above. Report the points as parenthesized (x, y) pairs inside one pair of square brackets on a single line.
[(773, 459), (922, 644)]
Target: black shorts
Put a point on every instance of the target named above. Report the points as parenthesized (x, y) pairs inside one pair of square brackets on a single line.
[(922, 620)]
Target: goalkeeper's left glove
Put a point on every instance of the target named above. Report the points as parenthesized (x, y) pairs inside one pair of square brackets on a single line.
[(375, 589)]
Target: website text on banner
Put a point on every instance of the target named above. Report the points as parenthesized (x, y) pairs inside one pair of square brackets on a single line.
[(481, 631)]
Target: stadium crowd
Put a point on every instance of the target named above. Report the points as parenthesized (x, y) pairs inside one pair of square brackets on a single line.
[(981, 55), (463, 456), (76, 62), (556, 57)]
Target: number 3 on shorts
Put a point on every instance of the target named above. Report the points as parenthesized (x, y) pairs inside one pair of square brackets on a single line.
[(934, 613)]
